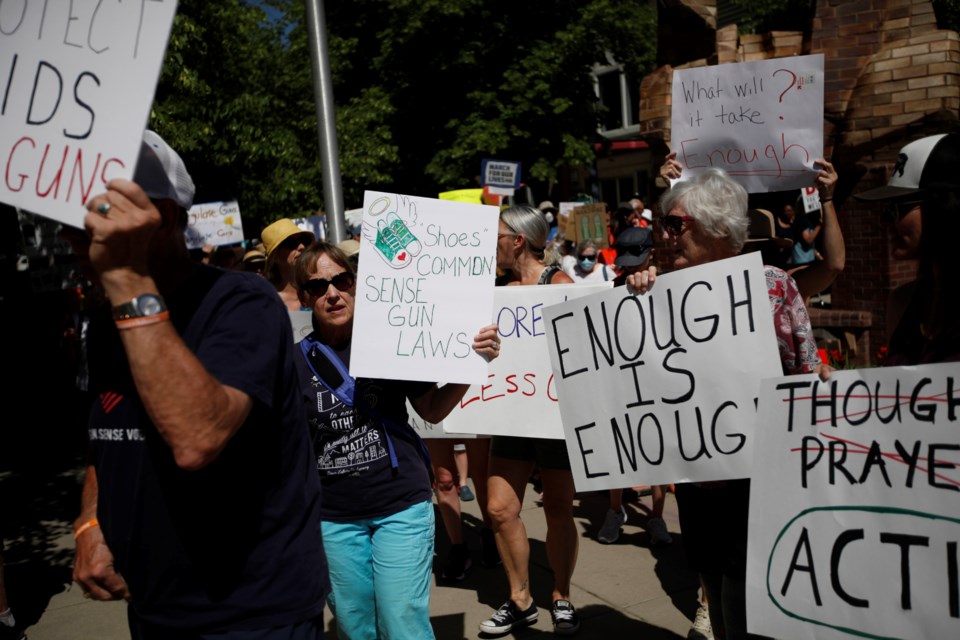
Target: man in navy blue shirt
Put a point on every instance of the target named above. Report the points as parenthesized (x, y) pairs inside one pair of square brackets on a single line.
[(201, 499)]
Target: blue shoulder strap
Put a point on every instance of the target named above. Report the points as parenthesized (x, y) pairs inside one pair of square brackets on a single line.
[(326, 365)]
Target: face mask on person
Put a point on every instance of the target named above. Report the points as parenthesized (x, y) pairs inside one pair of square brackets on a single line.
[(587, 263)]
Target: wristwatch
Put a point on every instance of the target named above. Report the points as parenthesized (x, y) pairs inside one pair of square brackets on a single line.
[(148, 304)]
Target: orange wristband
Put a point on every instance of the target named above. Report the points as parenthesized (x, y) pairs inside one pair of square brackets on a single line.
[(146, 321), (89, 524)]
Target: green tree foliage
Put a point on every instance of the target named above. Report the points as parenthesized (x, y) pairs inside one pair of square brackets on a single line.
[(227, 101), (948, 14), (760, 16), (424, 90), (457, 81)]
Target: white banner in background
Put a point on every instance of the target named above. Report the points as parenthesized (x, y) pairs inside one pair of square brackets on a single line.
[(519, 397), (214, 223)]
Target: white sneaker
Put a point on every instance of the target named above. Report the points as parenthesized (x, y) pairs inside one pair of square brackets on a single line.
[(701, 629), (610, 531), (657, 529)]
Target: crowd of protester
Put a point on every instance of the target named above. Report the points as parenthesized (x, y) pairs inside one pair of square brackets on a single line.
[(240, 482)]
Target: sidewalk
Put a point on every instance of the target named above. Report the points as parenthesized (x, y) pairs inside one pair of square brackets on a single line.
[(624, 590)]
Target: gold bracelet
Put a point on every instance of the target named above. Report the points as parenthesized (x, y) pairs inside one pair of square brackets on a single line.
[(89, 524), (146, 321)]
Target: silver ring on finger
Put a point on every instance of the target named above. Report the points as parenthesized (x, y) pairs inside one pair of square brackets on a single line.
[(104, 208)]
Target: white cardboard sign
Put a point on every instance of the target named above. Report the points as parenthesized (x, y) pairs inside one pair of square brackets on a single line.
[(425, 288), (811, 199), (761, 122), (214, 223), (519, 396), (78, 80), (661, 387), (855, 506)]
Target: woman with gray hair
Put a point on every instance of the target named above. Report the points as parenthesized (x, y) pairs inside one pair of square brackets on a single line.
[(521, 238), (705, 219)]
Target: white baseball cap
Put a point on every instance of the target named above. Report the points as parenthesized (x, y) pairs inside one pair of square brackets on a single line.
[(926, 163), (161, 172)]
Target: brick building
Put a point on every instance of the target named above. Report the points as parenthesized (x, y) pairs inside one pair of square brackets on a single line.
[(891, 75)]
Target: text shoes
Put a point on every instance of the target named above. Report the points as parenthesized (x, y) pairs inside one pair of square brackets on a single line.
[(566, 622), (508, 617)]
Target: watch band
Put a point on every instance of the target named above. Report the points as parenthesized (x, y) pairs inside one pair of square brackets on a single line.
[(145, 305)]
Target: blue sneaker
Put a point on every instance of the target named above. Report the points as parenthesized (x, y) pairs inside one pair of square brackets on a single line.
[(466, 495)]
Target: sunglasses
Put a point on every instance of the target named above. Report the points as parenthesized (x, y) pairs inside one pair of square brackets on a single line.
[(318, 286), (584, 256), (673, 225), (899, 210)]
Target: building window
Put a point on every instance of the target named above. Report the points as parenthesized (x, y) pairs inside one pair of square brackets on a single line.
[(619, 96)]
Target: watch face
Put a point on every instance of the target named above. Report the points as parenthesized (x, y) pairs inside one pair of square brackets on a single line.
[(149, 305)]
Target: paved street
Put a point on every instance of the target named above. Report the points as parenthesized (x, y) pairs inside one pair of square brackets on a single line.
[(624, 590)]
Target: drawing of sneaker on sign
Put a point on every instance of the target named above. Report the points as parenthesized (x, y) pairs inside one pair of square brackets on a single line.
[(395, 242)]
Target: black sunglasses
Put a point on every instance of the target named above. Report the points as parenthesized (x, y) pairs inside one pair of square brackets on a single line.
[(899, 210), (318, 286), (673, 225), (583, 256)]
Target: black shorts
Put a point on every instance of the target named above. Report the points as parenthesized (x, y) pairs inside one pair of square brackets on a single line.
[(548, 453)]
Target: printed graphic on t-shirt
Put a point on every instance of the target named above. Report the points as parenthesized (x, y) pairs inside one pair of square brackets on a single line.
[(344, 440), (117, 422)]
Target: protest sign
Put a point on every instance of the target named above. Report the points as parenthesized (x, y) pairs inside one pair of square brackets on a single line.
[(761, 122), (811, 199), (79, 79), (302, 323), (214, 223), (519, 397), (855, 506), (590, 223), (425, 288), (500, 173), (661, 387)]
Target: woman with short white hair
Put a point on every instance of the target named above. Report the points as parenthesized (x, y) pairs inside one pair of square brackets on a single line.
[(705, 219)]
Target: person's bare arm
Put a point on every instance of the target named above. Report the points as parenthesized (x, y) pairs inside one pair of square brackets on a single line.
[(194, 413), (437, 403), (93, 566), (821, 274)]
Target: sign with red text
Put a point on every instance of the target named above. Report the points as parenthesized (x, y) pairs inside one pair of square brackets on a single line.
[(761, 122), (425, 288), (661, 387), (214, 223), (811, 199), (78, 80), (856, 491), (519, 395)]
